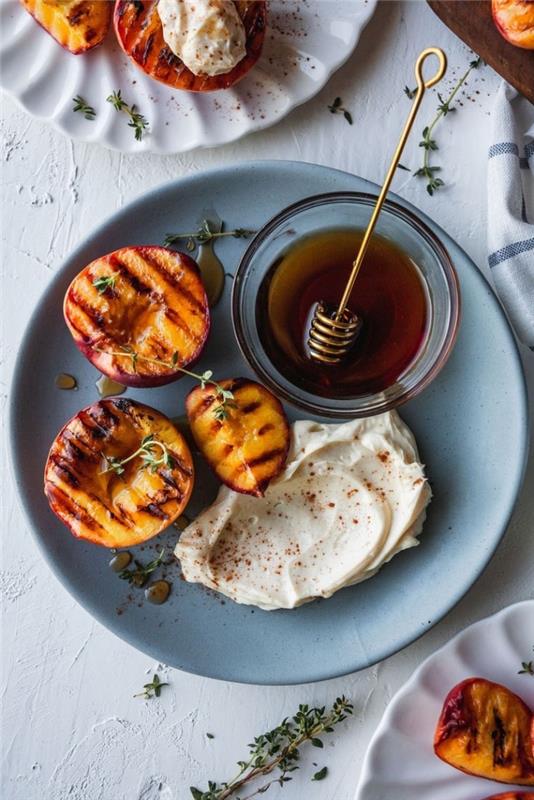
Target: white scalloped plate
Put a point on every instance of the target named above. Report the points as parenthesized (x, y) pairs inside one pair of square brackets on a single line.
[(305, 43), (400, 762)]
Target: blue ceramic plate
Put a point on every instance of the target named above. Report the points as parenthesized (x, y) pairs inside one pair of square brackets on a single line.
[(471, 425)]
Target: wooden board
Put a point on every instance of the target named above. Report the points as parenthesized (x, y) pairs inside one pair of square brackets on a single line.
[(471, 20)]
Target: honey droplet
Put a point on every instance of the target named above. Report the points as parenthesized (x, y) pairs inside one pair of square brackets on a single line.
[(120, 561), (66, 381), (107, 387), (212, 273), (158, 592), (182, 522)]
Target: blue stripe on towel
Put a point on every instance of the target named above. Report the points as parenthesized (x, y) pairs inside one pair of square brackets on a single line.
[(502, 148), (510, 251)]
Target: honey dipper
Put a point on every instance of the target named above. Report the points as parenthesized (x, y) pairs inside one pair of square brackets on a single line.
[(333, 332)]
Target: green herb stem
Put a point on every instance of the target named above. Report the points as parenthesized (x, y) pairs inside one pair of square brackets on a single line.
[(152, 689), (279, 749), (224, 395), (337, 108), (139, 575), (145, 450), (428, 143), (205, 234), (105, 282), (137, 121), (83, 107)]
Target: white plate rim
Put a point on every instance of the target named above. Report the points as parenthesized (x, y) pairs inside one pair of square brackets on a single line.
[(147, 145)]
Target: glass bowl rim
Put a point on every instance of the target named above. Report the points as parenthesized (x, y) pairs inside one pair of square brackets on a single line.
[(449, 274)]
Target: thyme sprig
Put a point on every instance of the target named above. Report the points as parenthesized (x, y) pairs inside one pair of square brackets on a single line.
[(224, 396), (320, 774), (137, 121), (147, 450), (279, 749), (205, 233), (105, 282), (527, 668), (152, 689), (428, 143), (81, 105), (140, 573), (337, 108)]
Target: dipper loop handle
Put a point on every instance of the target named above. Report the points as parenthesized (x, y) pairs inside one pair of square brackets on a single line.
[(332, 333), (422, 85)]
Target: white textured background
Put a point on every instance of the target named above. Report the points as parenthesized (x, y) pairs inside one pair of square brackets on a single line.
[(72, 730)]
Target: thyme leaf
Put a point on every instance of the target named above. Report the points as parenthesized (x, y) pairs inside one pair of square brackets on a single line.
[(137, 121), (147, 450), (337, 108), (279, 749), (105, 282), (83, 107), (527, 668), (139, 574), (204, 234), (224, 396), (428, 142), (152, 689)]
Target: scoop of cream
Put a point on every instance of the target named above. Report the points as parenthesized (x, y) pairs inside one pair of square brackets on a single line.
[(207, 35), (350, 497)]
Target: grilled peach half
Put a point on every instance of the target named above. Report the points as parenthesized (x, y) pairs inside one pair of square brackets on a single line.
[(77, 25), (512, 796), (514, 20), (247, 443), (486, 730), (139, 314), (111, 503), (140, 34)]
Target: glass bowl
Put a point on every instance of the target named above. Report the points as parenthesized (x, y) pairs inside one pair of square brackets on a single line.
[(349, 211)]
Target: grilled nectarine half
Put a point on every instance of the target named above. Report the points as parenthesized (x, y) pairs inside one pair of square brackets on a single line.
[(139, 314), (140, 34), (77, 25), (486, 730), (244, 439), (514, 20), (118, 473)]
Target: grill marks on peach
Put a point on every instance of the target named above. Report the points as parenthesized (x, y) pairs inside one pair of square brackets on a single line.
[(156, 307), (140, 34), (249, 447), (175, 281), (103, 507)]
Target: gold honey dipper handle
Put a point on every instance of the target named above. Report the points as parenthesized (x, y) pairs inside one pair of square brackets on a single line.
[(331, 336)]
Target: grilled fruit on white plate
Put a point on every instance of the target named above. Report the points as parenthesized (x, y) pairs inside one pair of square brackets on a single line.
[(139, 314), (118, 473), (77, 25)]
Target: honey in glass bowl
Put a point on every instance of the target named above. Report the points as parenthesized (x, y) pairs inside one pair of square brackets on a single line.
[(389, 296)]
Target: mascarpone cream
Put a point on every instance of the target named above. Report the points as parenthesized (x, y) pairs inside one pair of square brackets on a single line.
[(207, 35), (351, 497)]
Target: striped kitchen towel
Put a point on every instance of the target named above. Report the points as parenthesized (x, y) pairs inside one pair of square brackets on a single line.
[(511, 209)]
